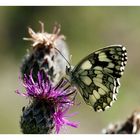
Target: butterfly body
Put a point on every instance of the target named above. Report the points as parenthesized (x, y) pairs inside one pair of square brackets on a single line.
[(97, 76)]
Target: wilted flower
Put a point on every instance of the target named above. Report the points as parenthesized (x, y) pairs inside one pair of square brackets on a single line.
[(57, 100), (130, 126), (44, 55)]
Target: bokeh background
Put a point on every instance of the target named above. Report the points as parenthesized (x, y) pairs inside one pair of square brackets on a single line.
[(87, 29)]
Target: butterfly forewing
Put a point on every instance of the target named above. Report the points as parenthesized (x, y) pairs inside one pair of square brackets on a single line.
[(97, 76)]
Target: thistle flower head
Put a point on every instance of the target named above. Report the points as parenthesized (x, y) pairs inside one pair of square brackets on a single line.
[(59, 97)]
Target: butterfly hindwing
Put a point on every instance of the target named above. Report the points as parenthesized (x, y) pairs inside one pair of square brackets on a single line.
[(97, 76)]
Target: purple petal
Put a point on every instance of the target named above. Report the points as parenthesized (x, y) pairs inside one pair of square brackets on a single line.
[(72, 124), (60, 118), (23, 94)]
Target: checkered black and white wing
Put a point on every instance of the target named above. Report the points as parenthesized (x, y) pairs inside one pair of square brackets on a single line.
[(97, 76)]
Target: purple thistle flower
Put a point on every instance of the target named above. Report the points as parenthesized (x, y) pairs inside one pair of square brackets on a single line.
[(60, 119), (60, 97)]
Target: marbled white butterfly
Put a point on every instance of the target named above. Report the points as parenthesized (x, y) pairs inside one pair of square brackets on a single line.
[(97, 76)]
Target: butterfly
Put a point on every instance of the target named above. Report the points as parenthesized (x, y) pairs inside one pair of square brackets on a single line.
[(97, 76)]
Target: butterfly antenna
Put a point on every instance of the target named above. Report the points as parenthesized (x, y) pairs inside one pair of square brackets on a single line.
[(64, 57)]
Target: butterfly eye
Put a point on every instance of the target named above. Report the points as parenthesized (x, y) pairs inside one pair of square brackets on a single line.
[(68, 70)]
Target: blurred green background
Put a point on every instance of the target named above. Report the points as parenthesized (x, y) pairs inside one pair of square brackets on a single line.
[(87, 29)]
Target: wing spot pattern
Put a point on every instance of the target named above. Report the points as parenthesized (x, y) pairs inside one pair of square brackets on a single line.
[(86, 80), (98, 75), (86, 65), (96, 94)]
